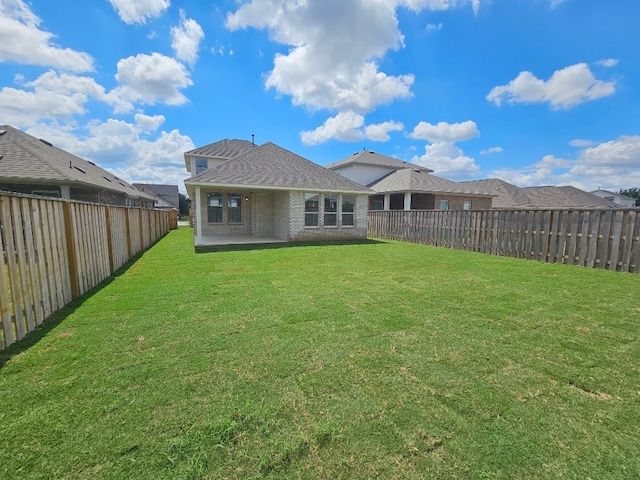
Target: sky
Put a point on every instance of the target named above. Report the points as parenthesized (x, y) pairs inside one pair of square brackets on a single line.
[(535, 92)]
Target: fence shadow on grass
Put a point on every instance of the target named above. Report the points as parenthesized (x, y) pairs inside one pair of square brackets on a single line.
[(56, 318), (270, 246)]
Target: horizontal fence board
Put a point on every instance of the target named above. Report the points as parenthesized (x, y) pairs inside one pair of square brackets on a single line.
[(606, 239), (54, 250)]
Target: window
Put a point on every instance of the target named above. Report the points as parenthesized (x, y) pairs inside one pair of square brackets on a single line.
[(214, 205), (466, 205), (444, 204), (331, 210), (311, 209), (201, 165), (128, 201), (234, 208), (348, 209)]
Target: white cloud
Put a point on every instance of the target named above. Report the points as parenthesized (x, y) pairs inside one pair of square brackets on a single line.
[(149, 123), (138, 11), (448, 161), (491, 150), (580, 142), (349, 127), (380, 132), (608, 62), (186, 38), (439, 5), (611, 165), (445, 132), (54, 97), (22, 41), (318, 71), (151, 79), (566, 88), (555, 3), (434, 27), (119, 147), (346, 127)]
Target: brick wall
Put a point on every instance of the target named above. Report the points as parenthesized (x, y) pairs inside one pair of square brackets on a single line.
[(300, 233)]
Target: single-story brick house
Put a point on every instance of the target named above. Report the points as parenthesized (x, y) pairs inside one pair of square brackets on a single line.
[(245, 193)]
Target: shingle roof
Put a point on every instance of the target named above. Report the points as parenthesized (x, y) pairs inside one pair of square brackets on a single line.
[(227, 148), (510, 196), (367, 157), (271, 166), (507, 194), (565, 197), (415, 180), (25, 158)]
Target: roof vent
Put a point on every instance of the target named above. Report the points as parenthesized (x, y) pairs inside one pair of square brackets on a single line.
[(417, 170), (371, 151), (79, 169), (2, 132), (1, 155), (107, 179), (45, 142), (91, 162)]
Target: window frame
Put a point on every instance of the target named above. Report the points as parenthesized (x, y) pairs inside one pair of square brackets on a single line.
[(213, 215), (330, 213), (466, 205), (234, 214), (311, 211), (347, 213), (446, 205)]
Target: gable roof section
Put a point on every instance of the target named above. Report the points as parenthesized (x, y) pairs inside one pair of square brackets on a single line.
[(227, 148), (367, 157), (506, 194), (270, 166), (26, 158), (419, 181)]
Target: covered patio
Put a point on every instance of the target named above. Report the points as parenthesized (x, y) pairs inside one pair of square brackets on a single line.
[(216, 240)]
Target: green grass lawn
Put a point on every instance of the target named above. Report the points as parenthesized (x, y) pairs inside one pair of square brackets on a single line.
[(379, 359)]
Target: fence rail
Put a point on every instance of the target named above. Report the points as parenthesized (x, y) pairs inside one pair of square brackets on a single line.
[(608, 239), (54, 251)]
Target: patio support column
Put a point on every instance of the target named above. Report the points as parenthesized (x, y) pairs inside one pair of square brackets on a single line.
[(407, 200), (387, 201), (198, 217)]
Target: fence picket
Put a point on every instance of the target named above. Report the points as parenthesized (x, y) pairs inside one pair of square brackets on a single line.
[(591, 238), (53, 250)]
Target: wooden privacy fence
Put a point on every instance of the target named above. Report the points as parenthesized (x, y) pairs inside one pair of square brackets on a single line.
[(55, 250), (608, 239)]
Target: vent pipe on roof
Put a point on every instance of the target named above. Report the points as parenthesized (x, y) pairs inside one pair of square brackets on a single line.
[(253, 140)]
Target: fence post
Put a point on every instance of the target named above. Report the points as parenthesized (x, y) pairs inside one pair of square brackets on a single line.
[(112, 266), (69, 229)]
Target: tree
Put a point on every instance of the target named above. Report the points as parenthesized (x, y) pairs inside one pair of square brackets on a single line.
[(185, 204), (633, 192)]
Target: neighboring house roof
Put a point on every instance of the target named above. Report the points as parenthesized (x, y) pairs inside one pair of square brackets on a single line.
[(166, 195), (506, 194), (367, 157), (27, 159), (616, 197), (565, 197), (269, 166), (512, 197), (416, 180)]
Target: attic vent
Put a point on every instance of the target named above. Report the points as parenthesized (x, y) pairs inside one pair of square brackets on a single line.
[(79, 169), (45, 142), (1, 155), (2, 132), (91, 163), (107, 179), (371, 152), (417, 170), (122, 184)]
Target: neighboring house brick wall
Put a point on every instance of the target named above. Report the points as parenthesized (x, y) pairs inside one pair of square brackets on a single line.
[(457, 202)]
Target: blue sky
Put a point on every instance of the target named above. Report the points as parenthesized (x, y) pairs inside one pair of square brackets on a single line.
[(536, 92)]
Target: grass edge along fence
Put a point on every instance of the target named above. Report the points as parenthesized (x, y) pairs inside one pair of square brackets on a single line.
[(607, 239), (55, 250)]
